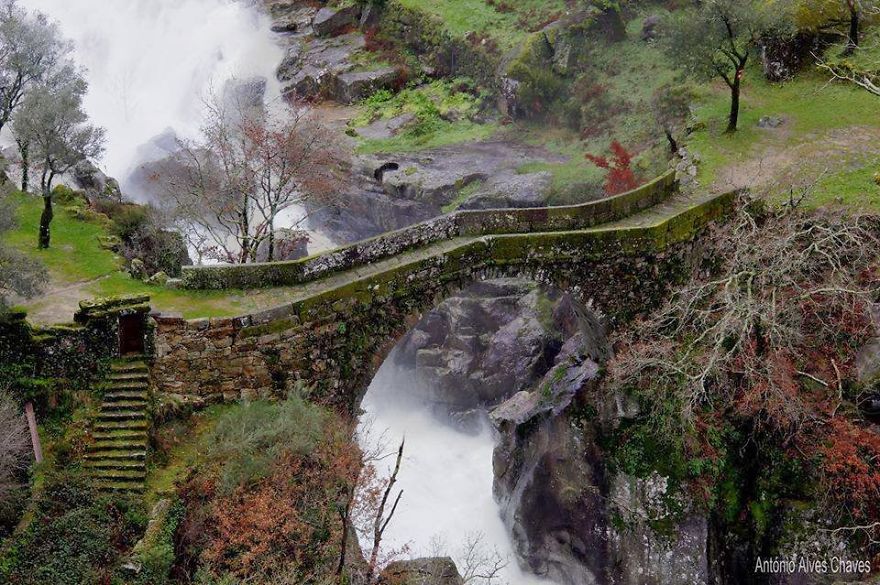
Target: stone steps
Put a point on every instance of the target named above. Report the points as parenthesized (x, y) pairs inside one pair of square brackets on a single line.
[(118, 457), (124, 395)]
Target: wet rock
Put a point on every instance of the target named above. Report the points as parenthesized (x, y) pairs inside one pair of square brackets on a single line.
[(94, 182), (436, 571), (770, 122), (382, 129), (484, 345), (330, 21), (511, 189), (549, 475), (244, 94), (427, 184), (291, 16), (356, 85), (311, 67), (640, 555), (290, 244)]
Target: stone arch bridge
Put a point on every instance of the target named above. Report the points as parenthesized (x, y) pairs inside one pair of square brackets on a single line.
[(351, 305)]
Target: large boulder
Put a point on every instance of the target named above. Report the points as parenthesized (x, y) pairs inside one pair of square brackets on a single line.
[(355, 85), (290, 16), (421, 186), (312, 67), (428, 571), (783, 56), (549, 472), (290, 244), (95, 183), (331, 21), (482, 346)]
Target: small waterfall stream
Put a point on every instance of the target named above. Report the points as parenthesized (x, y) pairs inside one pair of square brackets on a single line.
[(446, 477)]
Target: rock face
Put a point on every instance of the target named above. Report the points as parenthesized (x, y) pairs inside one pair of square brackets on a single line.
[(418, 187), (433, 571), (532, 358), (329, 21), (95, 183), (488, 343), (289, 245)]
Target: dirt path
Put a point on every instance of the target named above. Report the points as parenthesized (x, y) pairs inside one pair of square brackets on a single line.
[(781, 166), (58, 304)]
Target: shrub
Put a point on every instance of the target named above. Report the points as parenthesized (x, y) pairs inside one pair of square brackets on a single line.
[(620, 177), (264, 503), (249, 439), (76, 535)]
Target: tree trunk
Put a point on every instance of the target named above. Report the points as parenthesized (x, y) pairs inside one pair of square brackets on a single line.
[(852, 42), (45, 220), (673, 143), (271, 256), (733, 119), (23, 150)]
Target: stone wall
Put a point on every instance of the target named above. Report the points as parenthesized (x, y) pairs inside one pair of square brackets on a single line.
[(36, 361), (335, 340), (461, 223)]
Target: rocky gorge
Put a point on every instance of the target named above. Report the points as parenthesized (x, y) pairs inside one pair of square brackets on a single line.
[(328, 59), (529, 360)]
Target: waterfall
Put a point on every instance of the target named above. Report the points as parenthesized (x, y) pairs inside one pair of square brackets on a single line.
[(150, 63), (446, 477)]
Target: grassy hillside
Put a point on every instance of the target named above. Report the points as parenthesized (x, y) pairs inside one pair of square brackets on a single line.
[(830, 134), (80, 268)]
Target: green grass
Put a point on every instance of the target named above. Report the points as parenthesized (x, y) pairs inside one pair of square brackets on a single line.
[(447, 134), (506, 28), (433, 107), (74, 254), (183, 440), (464, 193), (812, 108)]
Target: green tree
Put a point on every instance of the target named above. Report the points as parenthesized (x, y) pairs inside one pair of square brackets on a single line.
[(52, 122), (716, 39), (821, 15)]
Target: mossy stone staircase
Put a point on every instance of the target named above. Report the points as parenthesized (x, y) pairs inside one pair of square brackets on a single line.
[(118, 455)]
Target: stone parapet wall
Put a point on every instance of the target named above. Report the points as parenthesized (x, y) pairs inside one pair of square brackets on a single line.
[(460, 223), (335, 340)]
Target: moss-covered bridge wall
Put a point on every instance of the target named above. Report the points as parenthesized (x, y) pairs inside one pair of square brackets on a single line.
[(461, 223), (335, 340)]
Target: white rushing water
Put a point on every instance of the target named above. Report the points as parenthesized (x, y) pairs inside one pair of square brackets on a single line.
[(446, 477), (150, 63)]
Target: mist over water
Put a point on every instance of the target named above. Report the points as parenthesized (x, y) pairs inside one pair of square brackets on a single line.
[(446, 477), (151, 62)]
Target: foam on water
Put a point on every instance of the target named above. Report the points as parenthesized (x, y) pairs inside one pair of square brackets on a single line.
[(446, 477)]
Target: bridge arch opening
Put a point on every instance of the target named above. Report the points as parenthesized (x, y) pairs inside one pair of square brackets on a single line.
[(440, 385)]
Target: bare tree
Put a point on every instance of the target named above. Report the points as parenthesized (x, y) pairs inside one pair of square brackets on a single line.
[(32, 49), (52, 122), (381, 519), (14, 445), (786, 277), (250, 166)]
